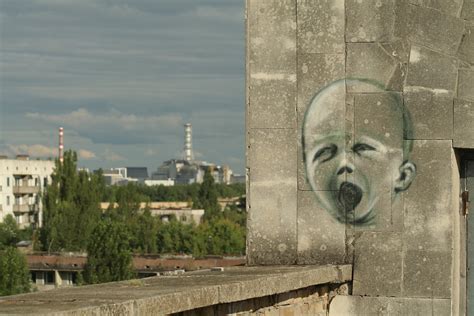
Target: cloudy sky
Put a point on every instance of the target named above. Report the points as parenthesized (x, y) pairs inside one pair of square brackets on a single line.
[(122, 77)]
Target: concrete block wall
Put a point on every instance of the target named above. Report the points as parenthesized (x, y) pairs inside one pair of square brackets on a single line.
[(327, 78)]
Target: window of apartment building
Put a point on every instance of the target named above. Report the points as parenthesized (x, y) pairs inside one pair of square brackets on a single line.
[(45, 181), (17, 181), (8, 181), (18, 219), (8, 200), (36, 182), (17, 200)]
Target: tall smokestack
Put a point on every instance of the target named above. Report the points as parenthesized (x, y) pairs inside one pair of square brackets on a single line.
[(188, 142), (61, 145)]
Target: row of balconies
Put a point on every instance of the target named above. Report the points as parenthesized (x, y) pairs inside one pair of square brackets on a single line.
[(25, 208), (25, 189)]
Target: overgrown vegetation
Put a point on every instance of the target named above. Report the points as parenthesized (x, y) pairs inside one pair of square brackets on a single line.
[(14, 274), (73, 221)]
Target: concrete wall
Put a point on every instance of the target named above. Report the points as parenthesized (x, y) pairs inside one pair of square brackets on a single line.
[(354, 111)]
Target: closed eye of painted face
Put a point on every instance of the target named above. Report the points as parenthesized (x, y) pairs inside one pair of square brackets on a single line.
[(327, 152), (360, 148)]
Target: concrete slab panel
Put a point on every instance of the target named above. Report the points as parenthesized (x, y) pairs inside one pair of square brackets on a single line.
[(321, 26), (378, 264), (428, 222), (370, 21), (272, 196), (428, 200), (466, 84), (271, 23), (434, 29), (315, 71), (321, 238), (464, 128), (467, 12), (422, 73), (431, 113), (372, 61), (466, 49), (272, 104), (391, 306), (450, 7), (427, 273)]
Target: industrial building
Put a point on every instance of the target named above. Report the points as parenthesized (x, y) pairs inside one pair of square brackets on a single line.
[(21, 183), (124, 175), (185, 170), (188, 170)]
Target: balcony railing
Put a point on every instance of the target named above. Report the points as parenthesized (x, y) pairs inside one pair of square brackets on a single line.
[(24, 208), (25, 189)]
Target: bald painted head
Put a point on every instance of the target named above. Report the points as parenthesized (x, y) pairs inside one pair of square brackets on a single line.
[(357, 150)]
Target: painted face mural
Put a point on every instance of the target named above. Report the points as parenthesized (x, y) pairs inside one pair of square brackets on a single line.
[(357, 150)]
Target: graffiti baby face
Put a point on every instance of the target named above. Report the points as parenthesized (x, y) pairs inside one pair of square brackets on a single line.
[(357, 155)]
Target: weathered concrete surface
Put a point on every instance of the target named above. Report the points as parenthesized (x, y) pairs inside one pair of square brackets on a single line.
[(315, 71), (271, 22), (463, 121), (321, 26), (362, 306), (466, 49), (466, 84), (330, 245), (164, 295), (451, 7), (433, 29), (431, 113), (378, 264), (467, 12), (272, 103), (428, 222), (272, 197), (421, 72), (370, 21), (371, 60)]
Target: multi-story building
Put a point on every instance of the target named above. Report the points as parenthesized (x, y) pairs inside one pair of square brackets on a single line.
[(21, 182)]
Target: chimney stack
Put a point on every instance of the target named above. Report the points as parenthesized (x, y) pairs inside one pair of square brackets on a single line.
[(188, 147), (61, 145)]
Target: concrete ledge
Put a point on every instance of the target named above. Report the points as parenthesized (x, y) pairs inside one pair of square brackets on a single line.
[(364, 305), (172, 294)]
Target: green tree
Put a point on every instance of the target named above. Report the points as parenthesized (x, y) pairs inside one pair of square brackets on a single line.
[(9, 232), (109, 253), (225, 238), (71, 206), (146, 233), (14, 274), (207, 197)]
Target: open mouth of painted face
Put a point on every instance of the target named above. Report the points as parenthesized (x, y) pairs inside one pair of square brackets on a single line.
[(349, 196)]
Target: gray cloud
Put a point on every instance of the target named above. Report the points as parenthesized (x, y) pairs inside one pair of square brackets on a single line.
[(124, 75)]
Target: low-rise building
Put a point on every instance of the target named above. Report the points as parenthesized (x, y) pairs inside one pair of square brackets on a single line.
[(166, 183), (49, 271), (182, 211), (21, 183)]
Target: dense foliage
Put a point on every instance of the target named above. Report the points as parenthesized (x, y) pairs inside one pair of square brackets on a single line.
[(14, 274), (73, 221), (109, 256), (71, 207)]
